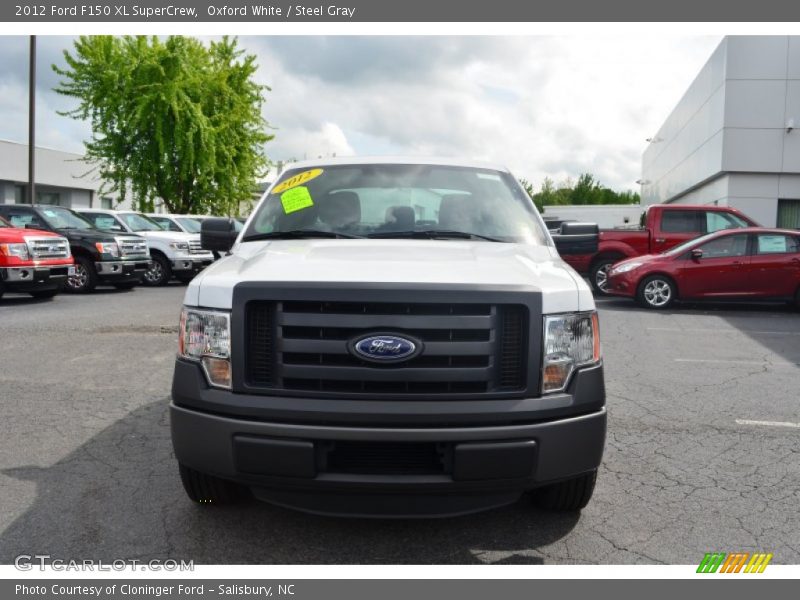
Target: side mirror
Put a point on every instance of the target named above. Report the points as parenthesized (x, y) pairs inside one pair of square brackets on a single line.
[(697, 254), (577, 238), (217, 234)]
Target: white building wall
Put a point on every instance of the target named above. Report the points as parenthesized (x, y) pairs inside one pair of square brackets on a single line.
[(732, 139), (58, 172), (605, 215)]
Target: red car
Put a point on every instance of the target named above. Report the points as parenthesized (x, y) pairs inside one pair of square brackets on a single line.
[(753, 262)]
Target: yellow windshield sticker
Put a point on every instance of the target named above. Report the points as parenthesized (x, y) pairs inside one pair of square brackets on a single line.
[(296, 199), (298, 179)]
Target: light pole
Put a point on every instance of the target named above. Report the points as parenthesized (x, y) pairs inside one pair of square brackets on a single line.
[(32, 124)]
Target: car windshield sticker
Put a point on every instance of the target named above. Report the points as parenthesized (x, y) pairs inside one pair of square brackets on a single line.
[(296, 199), (298, 179)]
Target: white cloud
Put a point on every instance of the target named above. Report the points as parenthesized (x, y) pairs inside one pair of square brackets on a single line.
[(543, 106)]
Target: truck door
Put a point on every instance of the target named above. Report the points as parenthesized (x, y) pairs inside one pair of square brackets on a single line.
[(676, 227)]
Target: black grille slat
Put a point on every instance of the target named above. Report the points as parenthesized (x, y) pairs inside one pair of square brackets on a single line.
[(302, 346), (372, 321), (260, 344), (512, 348)]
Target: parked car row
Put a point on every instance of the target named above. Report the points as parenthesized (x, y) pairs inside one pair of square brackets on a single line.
[(44, 249)]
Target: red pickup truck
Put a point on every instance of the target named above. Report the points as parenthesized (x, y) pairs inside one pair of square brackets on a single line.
[(32, 261), (663, 226)]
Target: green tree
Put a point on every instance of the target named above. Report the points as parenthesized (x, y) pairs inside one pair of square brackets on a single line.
[(528, 187), (171, 119), (586, 190)]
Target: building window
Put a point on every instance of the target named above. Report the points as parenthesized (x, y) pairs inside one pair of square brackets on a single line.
[(106, 203), (19, 194), (789, 214), (48, 198)]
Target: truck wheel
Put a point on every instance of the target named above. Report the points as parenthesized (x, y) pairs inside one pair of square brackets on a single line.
[(158, 274), (207, 489), (571, 495), (656, 291), (85, 278), (42, 294), (796, 298), (598, 275)]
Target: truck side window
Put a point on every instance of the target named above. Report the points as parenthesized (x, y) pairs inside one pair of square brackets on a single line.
[(682, 221), (719, 220)]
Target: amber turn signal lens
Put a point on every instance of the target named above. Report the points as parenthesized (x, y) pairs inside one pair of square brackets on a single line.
[(218, 371)]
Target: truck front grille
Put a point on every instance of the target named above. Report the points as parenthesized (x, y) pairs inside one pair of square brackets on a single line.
[(467, 348), (48, 248), (133, 248), (196, 248)]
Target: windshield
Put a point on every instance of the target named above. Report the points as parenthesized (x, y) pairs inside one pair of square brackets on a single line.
[(62, 218), (189, 224), (137, 222), (686, 245), (398, 200)]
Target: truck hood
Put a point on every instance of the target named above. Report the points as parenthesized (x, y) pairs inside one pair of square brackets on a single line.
[(92, 235), (469, 263), (12, 235), (168, 236)]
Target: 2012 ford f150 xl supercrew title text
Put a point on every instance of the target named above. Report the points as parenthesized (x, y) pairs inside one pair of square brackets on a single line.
[(389, 337)]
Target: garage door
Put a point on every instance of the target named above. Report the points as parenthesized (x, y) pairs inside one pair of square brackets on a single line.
[(789, 214)]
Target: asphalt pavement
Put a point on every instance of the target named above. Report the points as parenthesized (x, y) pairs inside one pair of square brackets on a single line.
[(703, 449)]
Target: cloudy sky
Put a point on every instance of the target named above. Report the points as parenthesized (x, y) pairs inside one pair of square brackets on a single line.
[(543, 106)]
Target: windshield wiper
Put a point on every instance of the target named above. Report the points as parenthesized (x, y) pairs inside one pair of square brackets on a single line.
[(295, 234), (432, 234)]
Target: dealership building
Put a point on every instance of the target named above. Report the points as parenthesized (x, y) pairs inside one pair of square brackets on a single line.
[(62, 178), (734, 137)]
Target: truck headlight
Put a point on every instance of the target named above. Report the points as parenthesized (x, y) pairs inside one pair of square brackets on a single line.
[(205, 337), (19, 251), (180, 246), (571, 341), (624, 268), (110, 248)]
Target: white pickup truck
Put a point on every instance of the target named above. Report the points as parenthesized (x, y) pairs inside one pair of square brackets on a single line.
[(390, 337), (174, 254)]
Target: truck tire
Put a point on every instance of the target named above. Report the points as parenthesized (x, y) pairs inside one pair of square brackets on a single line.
[(158, 274), (598, 274), (570, 495), (796, 298), (207, 489), (657, 292), (85, 278)]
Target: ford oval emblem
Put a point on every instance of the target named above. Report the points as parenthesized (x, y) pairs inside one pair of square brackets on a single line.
[(385, 347)]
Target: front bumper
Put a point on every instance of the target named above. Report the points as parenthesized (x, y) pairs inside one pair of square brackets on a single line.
[(190, 262), (491, 451), (33, 279), (623, 284), (122, 270)]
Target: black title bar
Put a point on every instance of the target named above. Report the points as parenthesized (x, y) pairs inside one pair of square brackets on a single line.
[(462, 11)]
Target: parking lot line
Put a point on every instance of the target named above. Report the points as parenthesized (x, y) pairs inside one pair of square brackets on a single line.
[(710, 330), (768, 423), (735, 362)]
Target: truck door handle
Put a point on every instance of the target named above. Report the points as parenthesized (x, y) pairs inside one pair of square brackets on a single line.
[(660, 240)]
